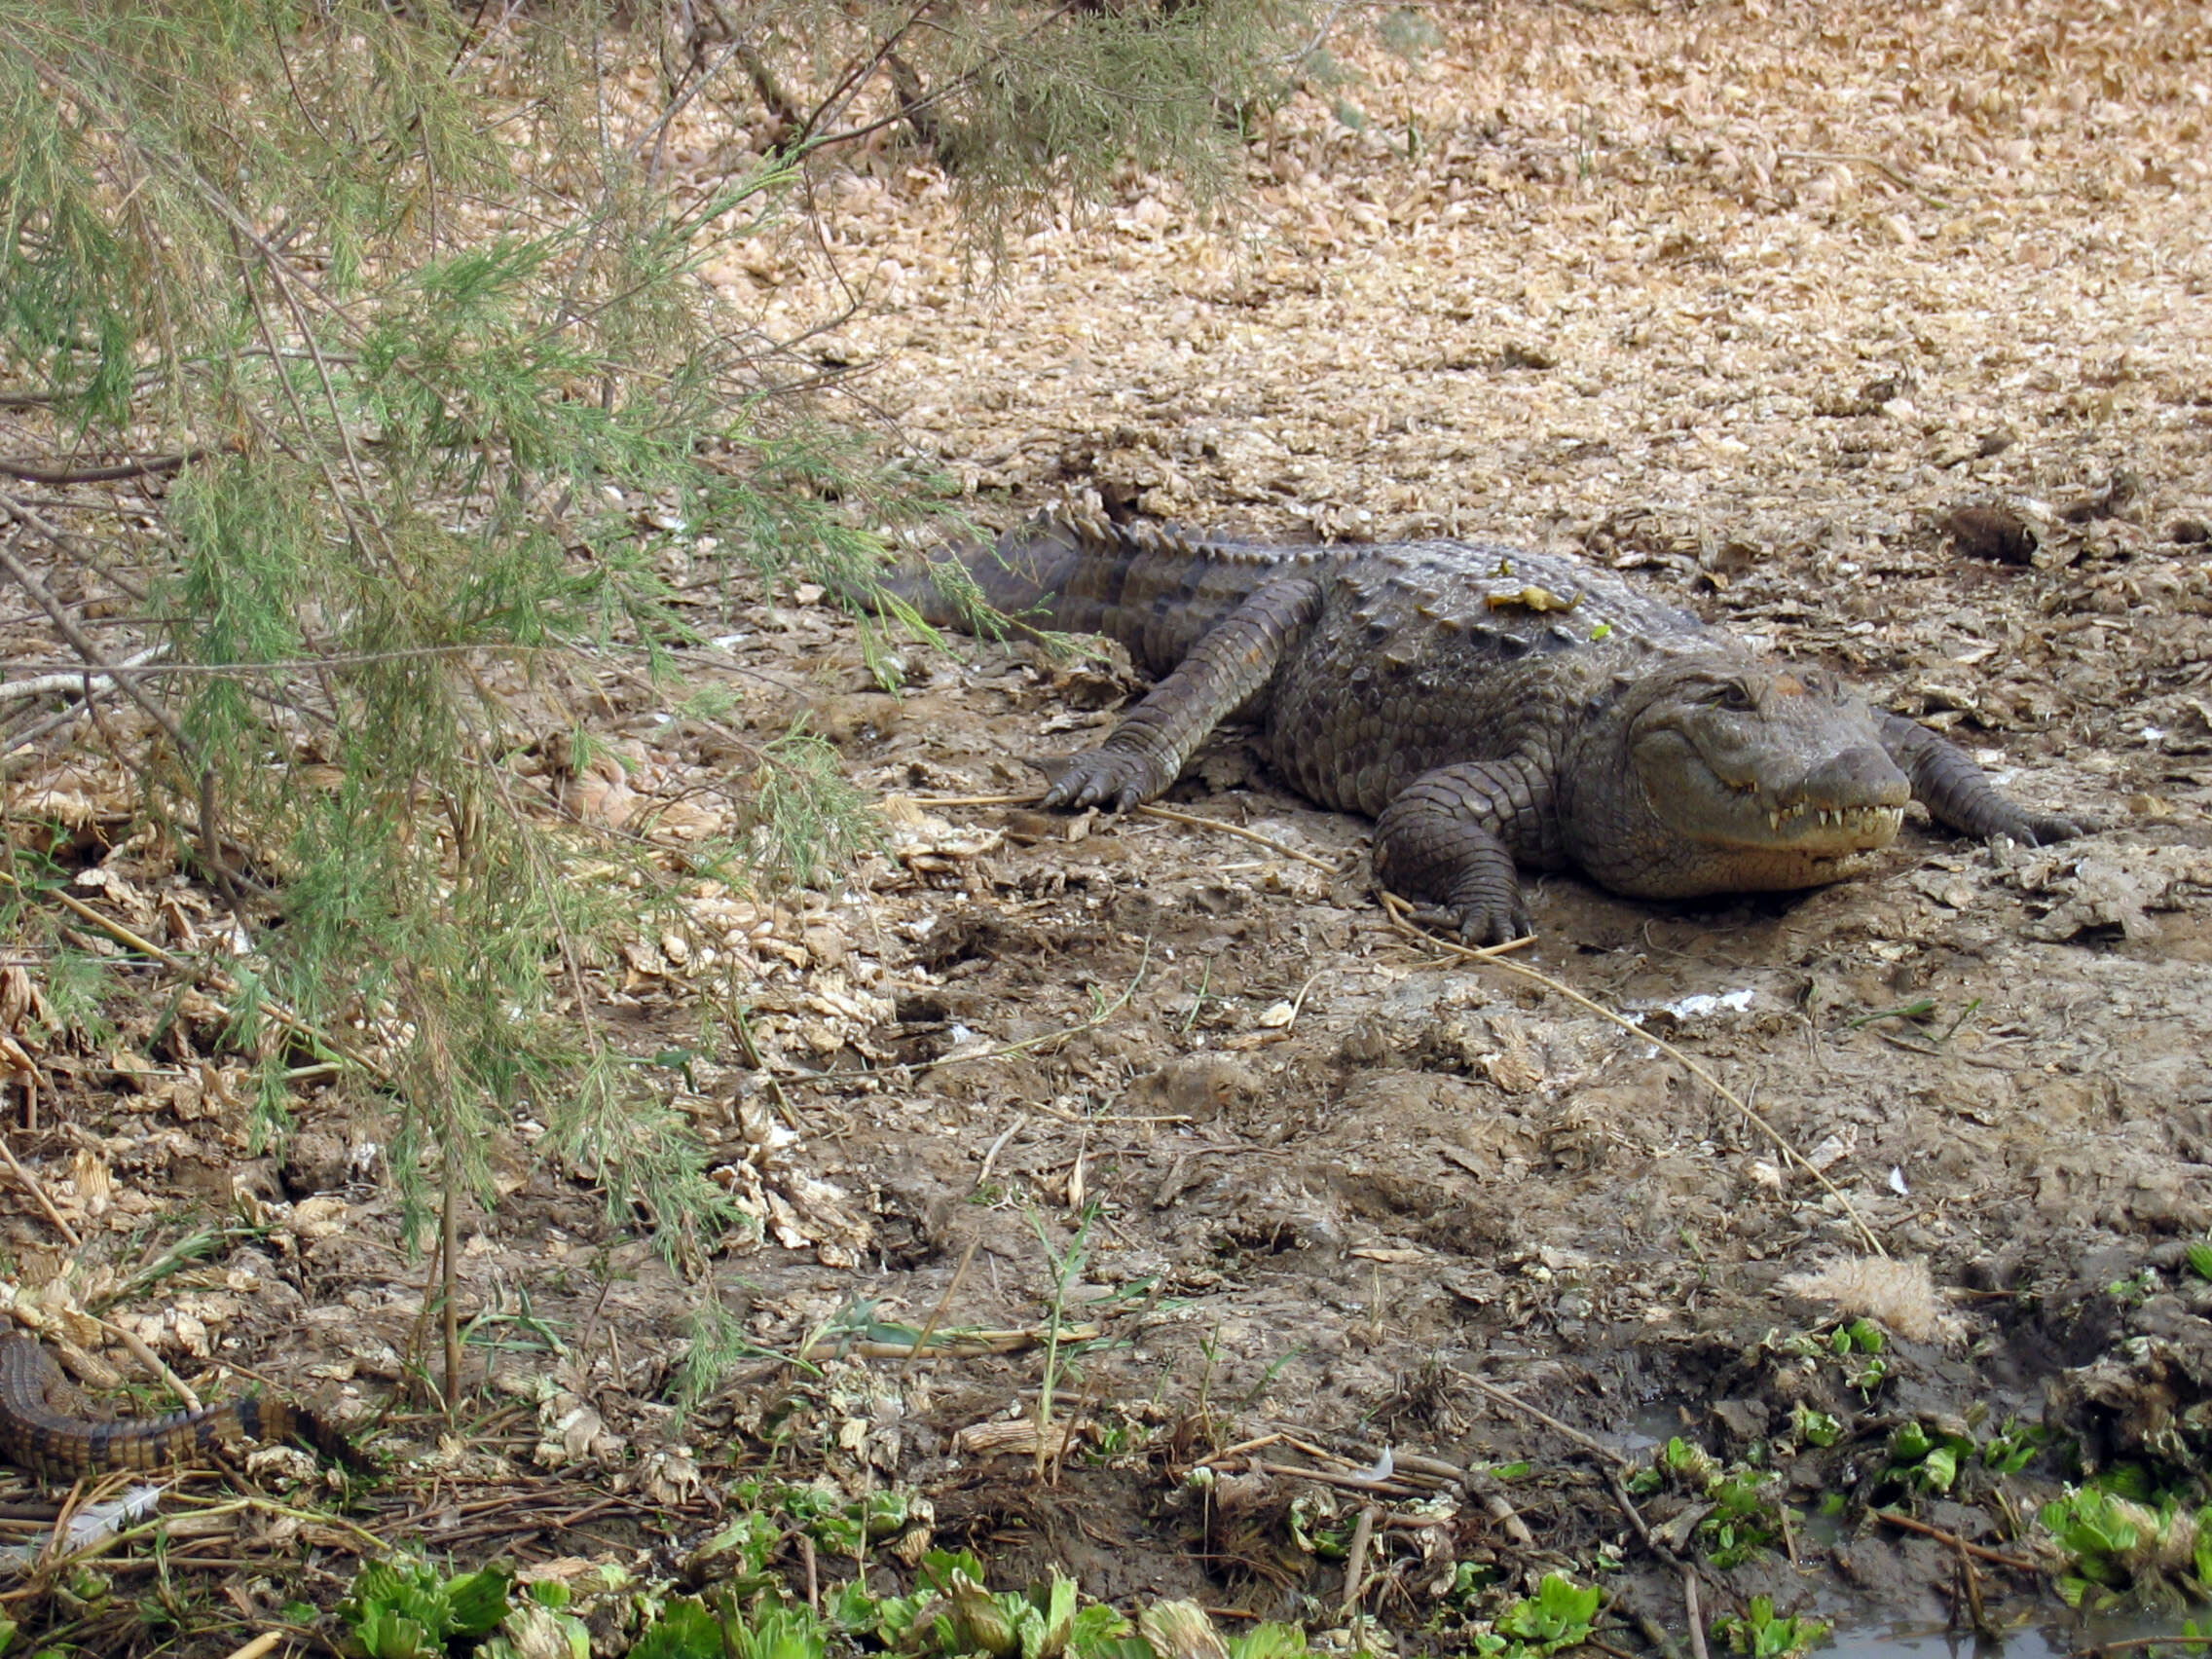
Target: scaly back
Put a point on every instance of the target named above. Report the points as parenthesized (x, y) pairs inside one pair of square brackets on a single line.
[(1156, 590)]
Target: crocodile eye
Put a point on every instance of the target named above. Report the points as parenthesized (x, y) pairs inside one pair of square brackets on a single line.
[(1733, 695)]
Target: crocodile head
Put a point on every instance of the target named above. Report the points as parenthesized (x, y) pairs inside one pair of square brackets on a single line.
[(1727, 774)]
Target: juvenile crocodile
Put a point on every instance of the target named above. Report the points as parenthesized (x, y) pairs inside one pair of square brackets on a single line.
[(1490, 708), (44, 1425)]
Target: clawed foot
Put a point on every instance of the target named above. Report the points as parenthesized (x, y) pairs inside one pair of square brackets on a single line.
[(1477, 922), (2041, 829), (1111, 778)]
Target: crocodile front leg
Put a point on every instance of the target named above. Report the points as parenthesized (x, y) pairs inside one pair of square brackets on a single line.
[(1958, 792), (1146, 753), (1448, 841)]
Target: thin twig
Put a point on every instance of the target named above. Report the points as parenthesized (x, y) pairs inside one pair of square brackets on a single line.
[(943, 1303), (73, 679), (1972, 1582), (1020, 1122), (1237, 830), (1546, 1419), (1688, 1064), (153, 1362), (1355, 1560), (2018, 1564), (1695, 1613), (1627, 1505), (151, 466), (38, 1196), (1380, 1487)]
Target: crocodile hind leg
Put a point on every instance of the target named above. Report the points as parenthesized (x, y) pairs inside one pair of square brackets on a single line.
[(1958, 792), (1448, 841), (1146, 753)]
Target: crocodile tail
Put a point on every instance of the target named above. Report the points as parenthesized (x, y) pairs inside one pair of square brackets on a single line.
[(1155, 588), (279, 1420), (142, 1443)]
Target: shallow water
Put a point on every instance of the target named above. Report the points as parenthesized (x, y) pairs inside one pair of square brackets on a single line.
[(1895, 1643)]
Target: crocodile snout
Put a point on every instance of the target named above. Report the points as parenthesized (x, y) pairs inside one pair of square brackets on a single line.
[(1859, 777)]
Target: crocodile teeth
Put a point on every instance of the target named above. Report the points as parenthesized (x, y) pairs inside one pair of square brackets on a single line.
[(1858, 821)]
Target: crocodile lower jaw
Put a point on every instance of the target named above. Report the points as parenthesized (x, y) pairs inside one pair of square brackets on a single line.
[(1854, 826)]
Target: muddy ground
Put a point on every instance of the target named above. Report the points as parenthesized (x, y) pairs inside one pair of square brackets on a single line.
[(1745, 299), (1750, 302)]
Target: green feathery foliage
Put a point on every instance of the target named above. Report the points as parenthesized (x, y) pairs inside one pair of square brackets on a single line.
[(405, 308)]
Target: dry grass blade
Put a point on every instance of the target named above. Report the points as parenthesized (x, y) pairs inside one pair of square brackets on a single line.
[(1243, 833), (29, 1184)]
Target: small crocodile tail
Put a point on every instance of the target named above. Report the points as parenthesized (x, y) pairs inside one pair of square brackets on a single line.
[(1154, 589), (152, 1443), (280, 1420)]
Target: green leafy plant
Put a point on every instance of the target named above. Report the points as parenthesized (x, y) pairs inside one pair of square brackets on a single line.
[(2114, 1542), (1810, 1428), (406, 1608), (1560, 1615), (1745, 1515), (1745, 1520), (683, 1629), (1757, 1633), (1928, 1460)]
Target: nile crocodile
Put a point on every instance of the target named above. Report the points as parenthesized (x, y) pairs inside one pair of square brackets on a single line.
[(1490, 708)]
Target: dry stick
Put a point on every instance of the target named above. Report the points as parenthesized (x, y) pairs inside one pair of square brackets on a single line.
[(264, 1644), (1243, 1446), (151, 466), (1382, 1487), (1653, 1630), (2018, 1564), (1396, 904), (211, 844), (1973, 1579), (1501, 1511), (38, 1195), (1237, 830), (813, 1571), (1549, 1422), (1355, 1560), (73, 679), (1695, 1613), (991, 1157), (943, 1303), (152, 1361)]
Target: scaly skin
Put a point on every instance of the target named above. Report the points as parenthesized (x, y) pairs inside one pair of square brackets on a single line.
[(43, 1426), (1493, 709)]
